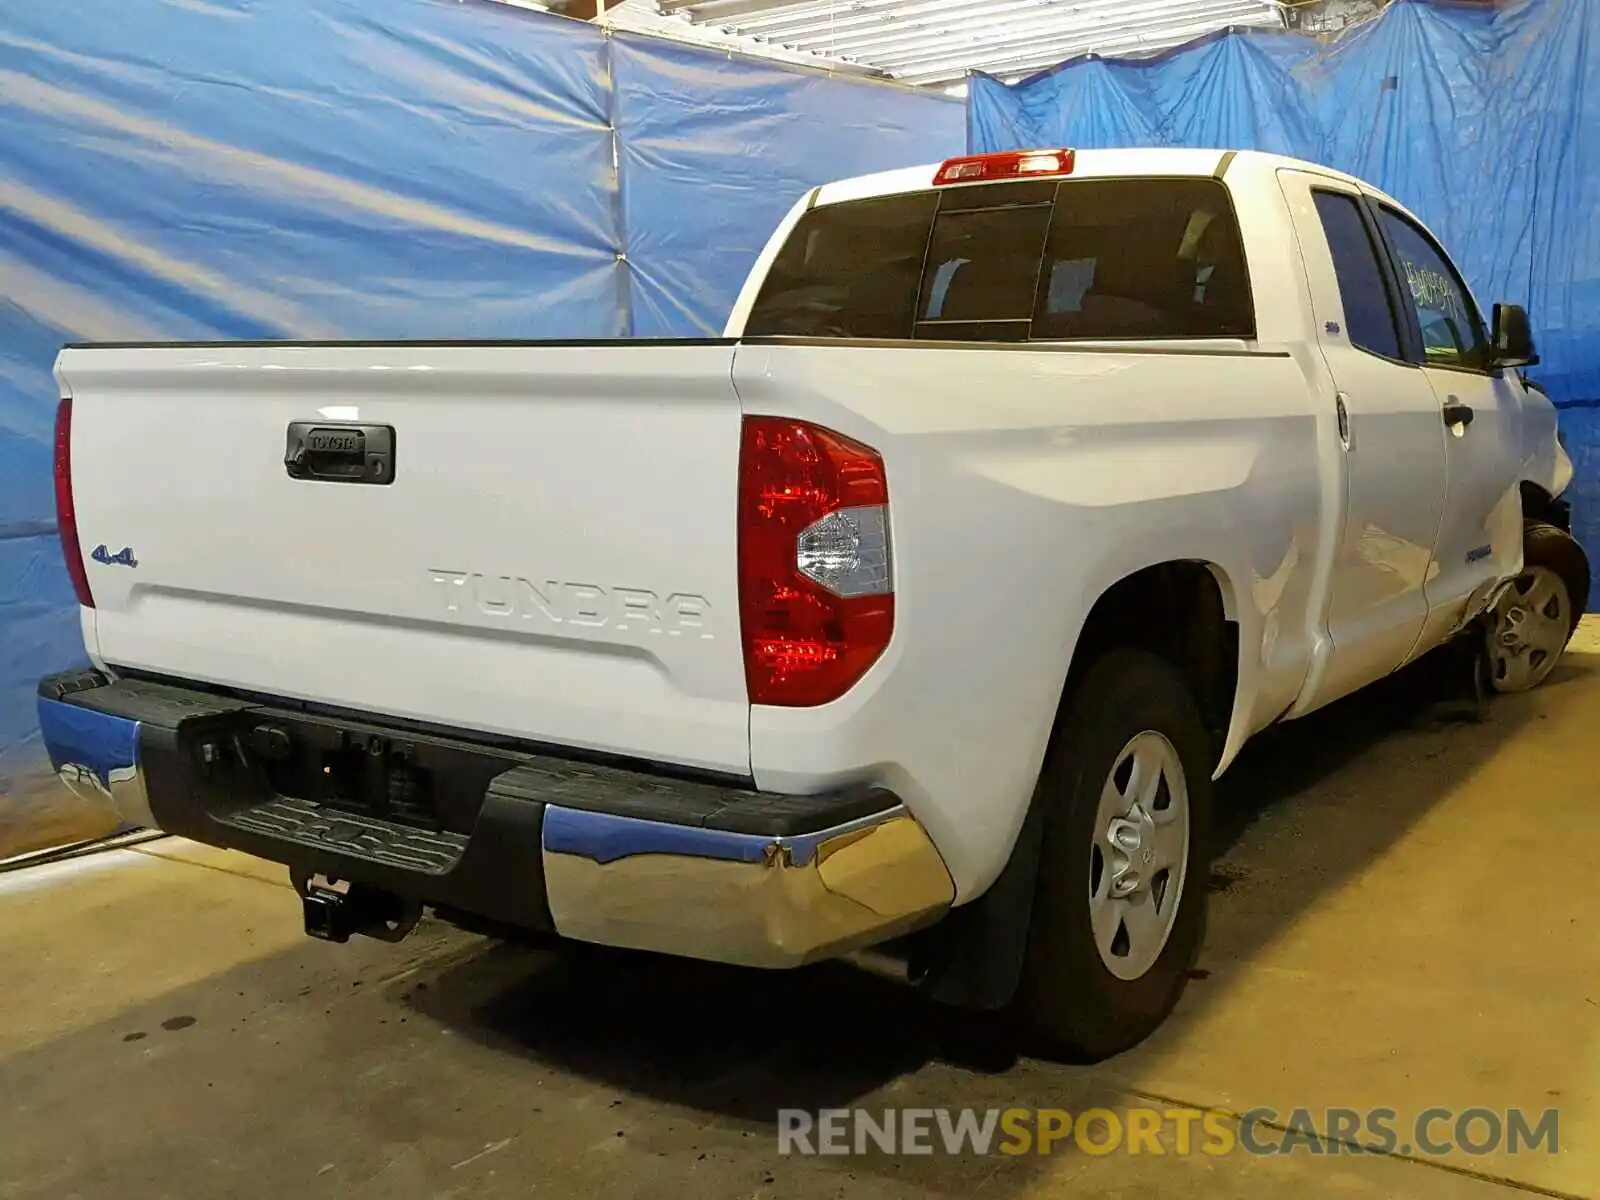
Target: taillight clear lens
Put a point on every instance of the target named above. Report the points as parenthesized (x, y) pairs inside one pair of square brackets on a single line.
[(847, 551), (816, 589), (66, 513)]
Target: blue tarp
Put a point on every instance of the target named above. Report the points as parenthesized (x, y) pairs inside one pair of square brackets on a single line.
[(352, 168), (1485, 121), (713, 157)]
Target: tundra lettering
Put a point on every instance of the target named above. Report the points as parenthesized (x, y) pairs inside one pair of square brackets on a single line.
[(468, 594)]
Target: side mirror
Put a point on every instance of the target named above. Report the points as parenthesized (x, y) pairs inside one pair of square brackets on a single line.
[(1513, 337)]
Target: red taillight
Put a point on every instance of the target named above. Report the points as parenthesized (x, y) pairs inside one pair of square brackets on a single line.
[(816, 592), (1008, 164), (66, 514)]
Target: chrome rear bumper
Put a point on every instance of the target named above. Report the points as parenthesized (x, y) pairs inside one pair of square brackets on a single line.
[(596, 853), (97, 758), (740, 898)]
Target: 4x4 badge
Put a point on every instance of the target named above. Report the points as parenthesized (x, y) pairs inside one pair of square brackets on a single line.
[(122, 558)]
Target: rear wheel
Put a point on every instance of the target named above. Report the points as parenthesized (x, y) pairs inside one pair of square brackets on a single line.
[(1535, 618), (1119, 913)]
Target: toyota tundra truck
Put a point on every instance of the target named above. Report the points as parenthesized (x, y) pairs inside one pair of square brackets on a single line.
[(916, 614)]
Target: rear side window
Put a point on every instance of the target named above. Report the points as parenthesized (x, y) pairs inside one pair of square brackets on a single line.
[(849, 270), (1368, 313), (1143, 258)]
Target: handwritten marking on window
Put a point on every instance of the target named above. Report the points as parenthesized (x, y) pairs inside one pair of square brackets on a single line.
[(1433, 291)]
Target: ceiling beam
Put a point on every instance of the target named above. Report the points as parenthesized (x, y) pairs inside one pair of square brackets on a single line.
[(890, 24), (1218, 14), (727, 11), (994, 13), (872, 14), (1003, 21)]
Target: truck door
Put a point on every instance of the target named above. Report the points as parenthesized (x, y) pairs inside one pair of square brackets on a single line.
[(1480, 535), (1391, 440)]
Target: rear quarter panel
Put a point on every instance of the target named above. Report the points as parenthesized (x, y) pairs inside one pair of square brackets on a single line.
[(1024, 482)]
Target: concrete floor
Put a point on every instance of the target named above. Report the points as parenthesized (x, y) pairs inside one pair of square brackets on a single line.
[(1404, 919)]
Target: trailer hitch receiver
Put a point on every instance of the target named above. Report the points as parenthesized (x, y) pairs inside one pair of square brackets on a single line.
[(332, 915)]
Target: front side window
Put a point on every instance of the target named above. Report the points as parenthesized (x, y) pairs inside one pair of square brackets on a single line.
[(1452, 333), (1143, 258), (1369, 316), (848, 270)]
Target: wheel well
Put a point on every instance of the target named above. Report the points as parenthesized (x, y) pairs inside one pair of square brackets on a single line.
[(1176, 610), (1540, 505)]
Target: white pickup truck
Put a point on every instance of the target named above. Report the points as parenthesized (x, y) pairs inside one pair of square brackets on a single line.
[(918, 612)]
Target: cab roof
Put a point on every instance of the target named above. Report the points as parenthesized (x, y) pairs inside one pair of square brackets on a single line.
[(1102, 164)]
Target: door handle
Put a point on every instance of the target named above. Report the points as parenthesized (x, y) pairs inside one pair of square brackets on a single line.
[(1457, 415), (1343, 414), (340, 452)]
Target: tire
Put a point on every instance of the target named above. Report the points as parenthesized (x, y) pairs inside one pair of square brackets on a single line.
[(1084, 1003), (1534, 620)]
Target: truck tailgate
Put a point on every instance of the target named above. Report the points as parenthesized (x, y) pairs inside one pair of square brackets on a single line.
[(554, 559)]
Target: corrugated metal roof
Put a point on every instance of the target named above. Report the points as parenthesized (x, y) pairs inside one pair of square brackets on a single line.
[(642, 16), (936, 42)]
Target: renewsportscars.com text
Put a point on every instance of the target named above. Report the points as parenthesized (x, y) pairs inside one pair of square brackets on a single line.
[(1434, 1132)]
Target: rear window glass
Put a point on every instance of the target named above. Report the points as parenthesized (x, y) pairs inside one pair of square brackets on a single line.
[(1110, 259), (1143, 258), (849, 270), (982, 274)]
